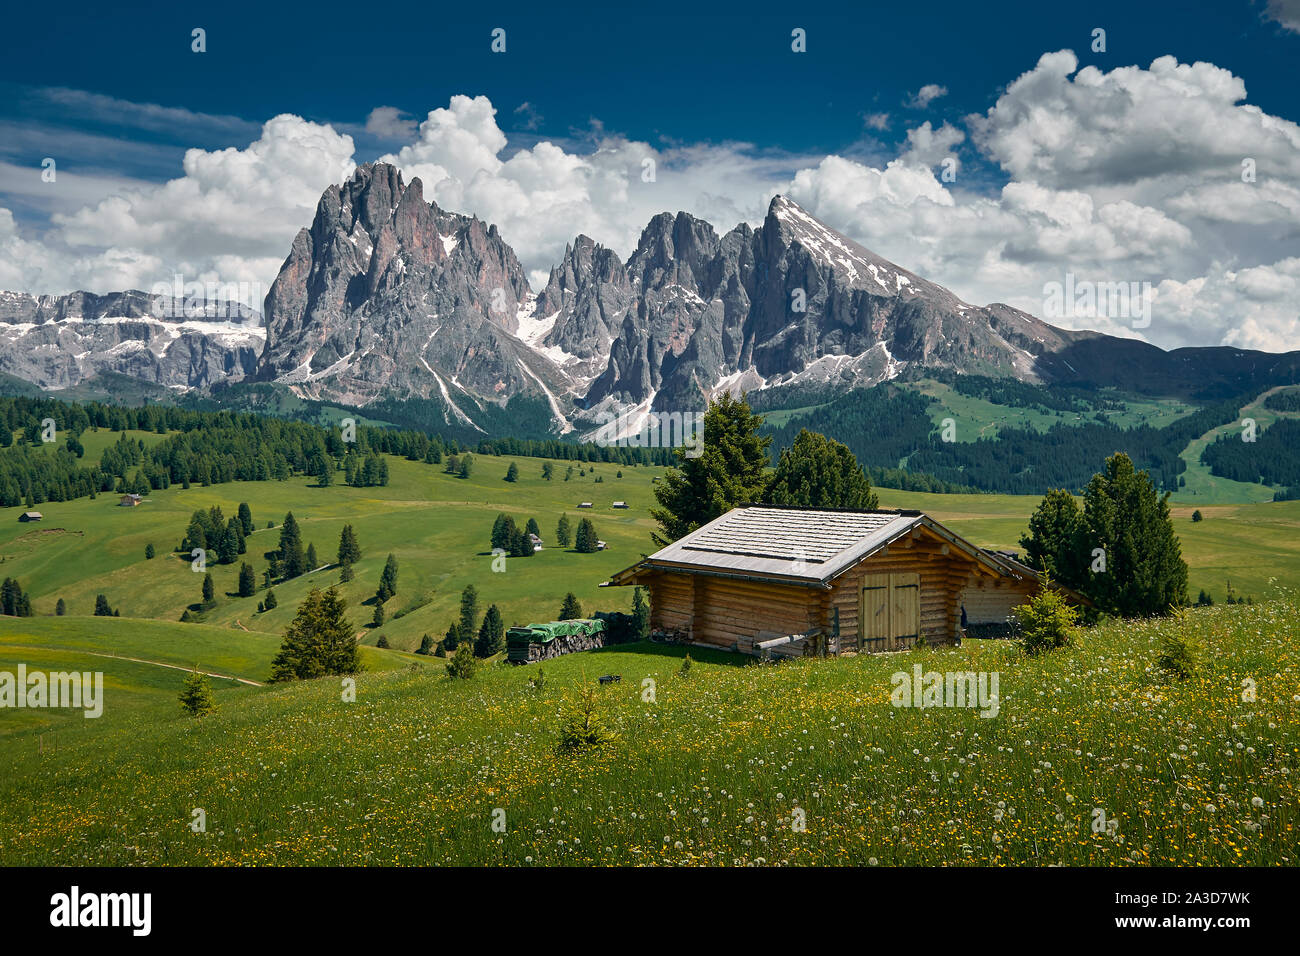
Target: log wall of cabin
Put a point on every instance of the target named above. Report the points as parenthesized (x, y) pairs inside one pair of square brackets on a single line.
[(991, 602), (728, 611)]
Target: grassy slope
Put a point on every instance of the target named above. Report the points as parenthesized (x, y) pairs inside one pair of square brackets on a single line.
[(436, 524), (710, 772), (1203, 487)]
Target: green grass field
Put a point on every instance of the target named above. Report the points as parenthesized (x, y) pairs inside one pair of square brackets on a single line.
[(805, 762), (437, 525)]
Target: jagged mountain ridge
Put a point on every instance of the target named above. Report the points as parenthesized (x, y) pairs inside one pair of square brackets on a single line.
[(387, 298), (388, 295), (62, 341)]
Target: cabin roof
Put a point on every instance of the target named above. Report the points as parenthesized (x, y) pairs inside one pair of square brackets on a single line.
[(799, 545)]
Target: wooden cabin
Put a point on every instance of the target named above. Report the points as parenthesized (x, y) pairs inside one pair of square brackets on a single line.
[(30, 516), (130, 501), (855, 581)]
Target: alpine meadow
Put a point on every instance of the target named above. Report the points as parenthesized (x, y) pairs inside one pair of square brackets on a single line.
[(891, 462)]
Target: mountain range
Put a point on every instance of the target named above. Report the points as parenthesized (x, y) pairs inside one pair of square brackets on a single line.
[(387, 299)]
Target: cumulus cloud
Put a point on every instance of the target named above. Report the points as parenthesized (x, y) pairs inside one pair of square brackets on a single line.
[(1131, 175), (390, 123), (926, 95)]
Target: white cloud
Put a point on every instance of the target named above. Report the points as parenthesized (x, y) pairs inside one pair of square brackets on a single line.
[(1284, 12), (390, 123), (926, 95), (1127, 175)]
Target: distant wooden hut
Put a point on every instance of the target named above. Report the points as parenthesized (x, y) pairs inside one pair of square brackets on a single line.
[(30, 516), (130, 501), (761, 576)]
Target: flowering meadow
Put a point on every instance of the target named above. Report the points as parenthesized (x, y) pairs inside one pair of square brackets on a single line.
[(1094, 758)]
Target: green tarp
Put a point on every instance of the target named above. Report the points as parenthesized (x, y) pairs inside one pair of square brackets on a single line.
[(545, 633)]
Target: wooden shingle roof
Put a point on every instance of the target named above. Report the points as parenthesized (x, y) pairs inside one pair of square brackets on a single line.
[(797, 545)]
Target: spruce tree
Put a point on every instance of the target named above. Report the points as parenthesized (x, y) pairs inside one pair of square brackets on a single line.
[(1126, 516), (312, 562), (467, 626), (570, 610), (246, 517), (388, 579), (512, 473), (729, 471), (318, 642), (491, 635), (209, 591), (292, 559), (196, 694), (586, 540), (819, 472), (60, 609), (349, 549), (533, 527), (563, 531), (101, 606), (247, 580), (640, 616)]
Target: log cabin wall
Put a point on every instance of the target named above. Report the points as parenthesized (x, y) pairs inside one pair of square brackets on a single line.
[(991, 602), (729, 611)]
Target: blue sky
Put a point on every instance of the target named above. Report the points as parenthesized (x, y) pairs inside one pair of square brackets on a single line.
[(117, 97)]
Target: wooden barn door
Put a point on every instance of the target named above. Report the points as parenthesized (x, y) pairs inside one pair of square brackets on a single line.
[(891, 611)]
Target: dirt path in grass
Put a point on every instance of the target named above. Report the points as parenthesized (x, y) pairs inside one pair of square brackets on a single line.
[(134, 660)]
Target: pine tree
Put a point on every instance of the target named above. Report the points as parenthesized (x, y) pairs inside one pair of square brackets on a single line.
[(346, 574), (512, 473), (388, 579), (228, 546), (101, 606), (502, 531), (247, 580), (819, 472), (468, 623), (324, 471), (246, 517), (60, 609), (349, 549), (640, 616), (209, 591), (270, 602), (292, 559), (492, 634), (533, 527), (586, 540), (452, 638), (378, 619), (196, 694), (426, 645), (312, 562), (563, 531), (466, 466), (570, 610), (729, 471), (148, 552), (1055, 543), (1125, 516), (318, 642), (548, 471), (463, 663)]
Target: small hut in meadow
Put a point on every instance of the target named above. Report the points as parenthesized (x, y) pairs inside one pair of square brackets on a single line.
[(762, 576)]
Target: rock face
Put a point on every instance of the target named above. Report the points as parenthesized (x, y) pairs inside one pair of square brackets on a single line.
[(387, 297), (61, 341)]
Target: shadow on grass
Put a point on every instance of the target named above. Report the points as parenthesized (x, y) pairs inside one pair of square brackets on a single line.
[(705, 655)]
